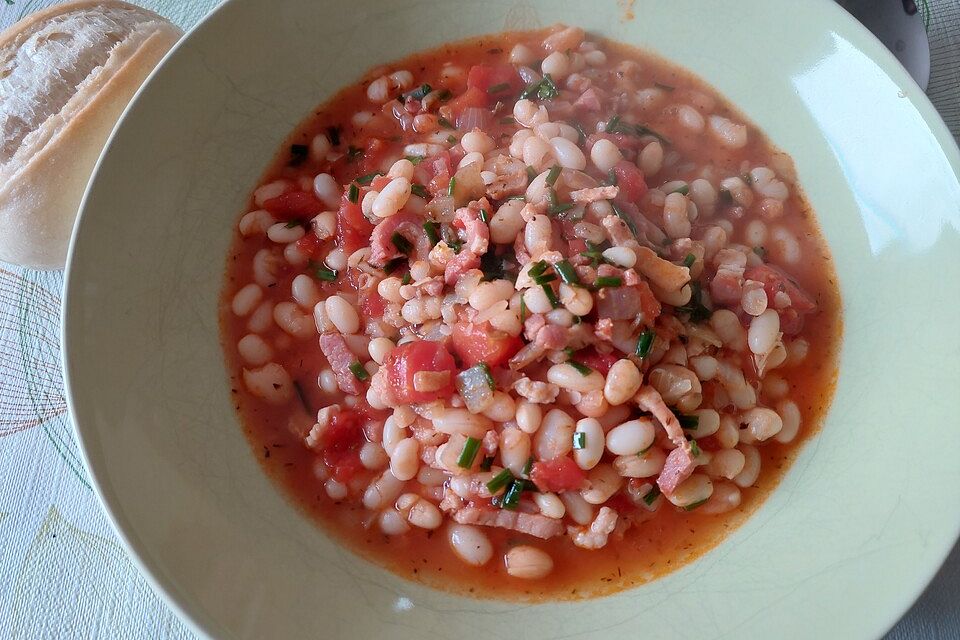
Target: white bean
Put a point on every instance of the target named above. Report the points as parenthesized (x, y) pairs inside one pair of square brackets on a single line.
[(271, 383), (507, 222), (269, 191), (555, 436), (293, 320), (568, 154), (676, 222), (644, 465), (557, 64), (514, 450), (632, 437), (384, 489), (690, 118), (246, 299), (728, 133), (762, 423), (502, 409), (567, 377), (405, 461), (461, 421), (488, 293), (342, 314), (550, 505), (283, 233), (725, 497), (392, 198), (327, 190), (529, 563), (255, 222), (392, 523), (254, 350), (623, 381), (727, 326), (576, 300), (579, 510), (790, 415), (588, 456), (305, 291), (470, 544), (726, 463), (621, 256), (695, 489), (751, 467), (528, 416), (392, 434), (651, 159), (402, 168), (603, 481), (605, 155), (336, 490), (529, 114), (521, 55), (764, 332)]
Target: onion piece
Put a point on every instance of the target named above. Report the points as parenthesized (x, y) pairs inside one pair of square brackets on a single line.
[(473, 118), (468, 184), (474, 387)]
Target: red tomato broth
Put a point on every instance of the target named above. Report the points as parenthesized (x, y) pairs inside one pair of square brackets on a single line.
[(659, 545)]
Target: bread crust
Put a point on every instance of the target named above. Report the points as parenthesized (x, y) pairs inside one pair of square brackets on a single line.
[(39, 201)]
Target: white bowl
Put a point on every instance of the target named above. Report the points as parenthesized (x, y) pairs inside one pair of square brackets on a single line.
[(841, 548)]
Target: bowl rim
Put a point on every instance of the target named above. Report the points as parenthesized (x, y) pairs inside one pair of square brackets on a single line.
[(149, 567)]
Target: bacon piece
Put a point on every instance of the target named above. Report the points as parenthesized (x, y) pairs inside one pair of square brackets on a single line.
[(593, 194), (677, 468), (663, 273), (408, 225), (596, 535), (476, 230), (552, 336), (680, 463), (459, 265), (340, 357), (726, 287), (532, 524), (589, 100)]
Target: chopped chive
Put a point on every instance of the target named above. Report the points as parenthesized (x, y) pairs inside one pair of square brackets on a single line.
[(641, 130), (393, 265), (569, 352), (402, 244), (499, 481), (545, 278), (452, 185), (643, 452), (594, 254), (689, 260), (567, 273), (367, 179), (688, 422), (512, 497), (484, 215), (531, 174), (538, 268), (353, 194), (498, 88), (612, 124), (694, 449), (333, 135), (420, 92), (406, 279), (691, 507), (530, 90), (523, 309), (611, 180), (579, 440), (321, 272), (292, 224), (420, 191), (446, 124), (359, 372), (551, 296), (303, 398), (527, 467), (652, 495), (452, 139), (548, 88), (430, 228), (747, 178), (623, 216), (469, 453), (697, 311), (581, 368), (353, 152), (554, 174), (298, 154), (581, 134), (414, 160), (607, 281), (760, 251), (508, 120), (485, 368), (486, 463), (444, 95), (645, 343)]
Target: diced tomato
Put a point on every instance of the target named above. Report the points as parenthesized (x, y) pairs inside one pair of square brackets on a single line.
[(620, 503), (341, 444), (485, 76), (475, 343), (378, 183), (372, 304), (408, 359), (294, 205), (353, 230), (310, 244), (775, 280), (472, 97), (374, 153), (649, 305), (559, 474), (595, 360), (630, 180)]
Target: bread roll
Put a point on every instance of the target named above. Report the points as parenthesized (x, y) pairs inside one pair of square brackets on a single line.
[(66, 74)]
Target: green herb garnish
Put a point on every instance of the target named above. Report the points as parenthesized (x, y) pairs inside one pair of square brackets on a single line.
[(579, 440), (292, 224), (298, 154), (393, 265), (321, 271), (333, 135), (691, 507), (420, 92), (414, 160), (689, 260), (486, 463), (652, 495), (430, 228), (446, 124), (645, 343), (359, 372), (452, 185), (353, 194), (508, 120), (353, 152), (402, 244), (367, 179), (469, 453), (551, 296), (484, 215), (581, 368), (498, 88), (567, 273), (420, 191), (554, 174), (499, 481), (512, 497), (607, 281)]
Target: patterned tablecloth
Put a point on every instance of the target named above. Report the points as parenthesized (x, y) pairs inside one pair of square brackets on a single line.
[(63, 573)]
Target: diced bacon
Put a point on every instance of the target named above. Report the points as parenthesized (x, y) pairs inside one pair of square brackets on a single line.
[(533, 524), (533, 324), (677, 468), (618, 303), (476, 230), (526, 356), (490, 442), (663, 273), (596, 535), (589, 100), (594, 194), (535, 391), (777, 283), (408, 225), (726, 287), (511, 178), (649, 399), (340, 357), (552, 337), (459, 265), (618, 232), (451, 501)]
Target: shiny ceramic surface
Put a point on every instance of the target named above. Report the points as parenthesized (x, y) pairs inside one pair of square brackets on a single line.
[(841, 549)]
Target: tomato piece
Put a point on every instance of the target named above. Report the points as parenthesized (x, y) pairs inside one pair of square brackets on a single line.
[(474, 343), (405, 361), (620, 503), (310, 245), (630, 180), (353, 230), (341, 442), (559, 474), (649, 305), (472, 97), (372, 304), (374, 153), (485, 76), (595, 360), (293, 205), (775, 280)]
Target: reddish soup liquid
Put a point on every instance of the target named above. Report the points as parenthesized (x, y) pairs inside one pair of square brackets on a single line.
[(639, 88)]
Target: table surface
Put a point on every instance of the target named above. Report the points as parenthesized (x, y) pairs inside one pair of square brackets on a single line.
[(63, 573)]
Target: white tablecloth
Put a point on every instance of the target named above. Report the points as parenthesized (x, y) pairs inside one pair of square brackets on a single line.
[(63, 573)]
